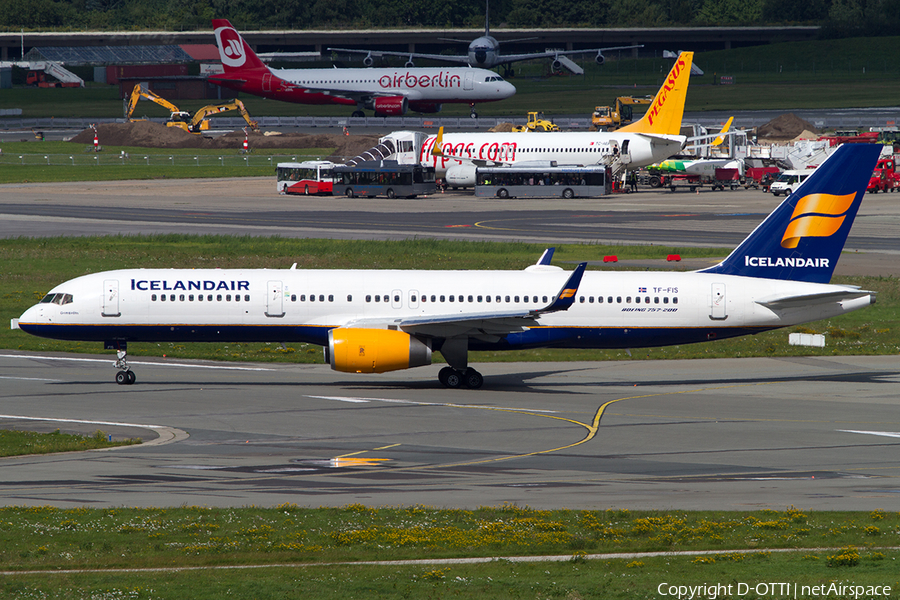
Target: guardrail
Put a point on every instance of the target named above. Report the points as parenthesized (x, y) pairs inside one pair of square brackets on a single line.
[(139, 159)]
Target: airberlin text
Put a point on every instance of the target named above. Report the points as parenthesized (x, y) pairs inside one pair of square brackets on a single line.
[(771, 590), (204, 285), (795, 261), (408, 80)]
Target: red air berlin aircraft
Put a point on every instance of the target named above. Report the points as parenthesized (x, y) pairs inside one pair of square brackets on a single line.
[(389, 92)]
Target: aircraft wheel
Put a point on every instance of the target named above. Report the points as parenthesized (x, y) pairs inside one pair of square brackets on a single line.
[(358, 114), (473, 115), (503, 193), (122, 377), (442, 375), (454, 379), (349, 192), (390, 193), (568, 194), (131, 377), (473, 379)]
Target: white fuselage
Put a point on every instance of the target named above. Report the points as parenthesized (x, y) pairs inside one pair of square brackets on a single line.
[(417, 84), (611, 309), (566, 148)]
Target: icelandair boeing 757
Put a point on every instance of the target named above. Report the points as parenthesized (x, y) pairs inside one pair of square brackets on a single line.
[(373, 321), (389, 92)]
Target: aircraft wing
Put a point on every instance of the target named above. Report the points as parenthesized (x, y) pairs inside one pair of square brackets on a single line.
[(482, 323), (453, 58), (509, 58), (806, 300)]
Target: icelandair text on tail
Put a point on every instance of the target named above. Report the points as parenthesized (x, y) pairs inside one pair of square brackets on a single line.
[(775, 590)]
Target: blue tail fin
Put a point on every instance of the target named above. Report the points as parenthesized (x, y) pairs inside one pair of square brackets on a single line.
[(802, 239)]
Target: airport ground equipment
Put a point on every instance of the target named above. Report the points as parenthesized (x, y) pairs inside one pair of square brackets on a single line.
[(537, 122), (195, 123), (610, 118)]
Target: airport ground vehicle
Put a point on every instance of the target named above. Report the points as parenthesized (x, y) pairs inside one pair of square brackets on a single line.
[(537, 122), (610, 118), (181, 118), (312, 177), (788, 181), (757, 177), (39, 79), (541, 181), (885, 177), (383, 178)]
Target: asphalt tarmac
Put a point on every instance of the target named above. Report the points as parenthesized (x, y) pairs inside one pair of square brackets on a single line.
[(816, 433)]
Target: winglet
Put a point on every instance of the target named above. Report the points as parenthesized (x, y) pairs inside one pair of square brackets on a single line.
[(437, 149), (546, 257), (721, 137), (566, 296)]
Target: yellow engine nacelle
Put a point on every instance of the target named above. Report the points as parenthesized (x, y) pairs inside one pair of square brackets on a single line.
[(375, 350)]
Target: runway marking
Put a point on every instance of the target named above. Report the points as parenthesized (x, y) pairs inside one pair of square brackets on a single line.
[(417, 403), (29, 378), (893, 434), (155, 364), (166, 434)]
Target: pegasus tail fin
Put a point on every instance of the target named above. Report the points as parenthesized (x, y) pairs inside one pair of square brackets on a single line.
[(664, 115)]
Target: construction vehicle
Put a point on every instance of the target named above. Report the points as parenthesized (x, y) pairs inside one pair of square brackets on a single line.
[(536, 122), (180, 118), (609, 118)]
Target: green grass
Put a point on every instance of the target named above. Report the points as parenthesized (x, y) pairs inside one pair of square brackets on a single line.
[(17, 443), (31, 267), (840, 547), (57, 161)]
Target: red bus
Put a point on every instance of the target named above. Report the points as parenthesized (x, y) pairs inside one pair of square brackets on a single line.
[(306, 178)]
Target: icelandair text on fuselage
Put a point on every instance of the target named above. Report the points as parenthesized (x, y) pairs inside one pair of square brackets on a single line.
[(771, 590), (206, 285), (768, 261)]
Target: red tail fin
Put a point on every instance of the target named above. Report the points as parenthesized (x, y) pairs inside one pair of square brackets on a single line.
[(234, 52)]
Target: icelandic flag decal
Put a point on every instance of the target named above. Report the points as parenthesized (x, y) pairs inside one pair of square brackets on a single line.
[(642, 290)]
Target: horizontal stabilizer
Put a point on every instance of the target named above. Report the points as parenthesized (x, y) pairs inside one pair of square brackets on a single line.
[(806, 300)]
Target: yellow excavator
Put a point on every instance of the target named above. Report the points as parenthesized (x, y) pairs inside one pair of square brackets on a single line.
[(195, 123), (610, 118)]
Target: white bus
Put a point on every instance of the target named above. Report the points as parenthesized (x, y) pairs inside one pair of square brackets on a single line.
[(541, 181), (306, 178)]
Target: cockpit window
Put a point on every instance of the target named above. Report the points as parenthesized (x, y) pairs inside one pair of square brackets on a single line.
[(57, 299)]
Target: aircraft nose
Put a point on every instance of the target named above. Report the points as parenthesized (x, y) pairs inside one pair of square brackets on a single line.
[(507, 89)]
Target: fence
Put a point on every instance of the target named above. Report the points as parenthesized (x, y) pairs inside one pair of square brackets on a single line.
[(151, 160)]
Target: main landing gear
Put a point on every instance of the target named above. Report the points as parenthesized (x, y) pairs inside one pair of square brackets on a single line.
[(126, 376), (452, 378)]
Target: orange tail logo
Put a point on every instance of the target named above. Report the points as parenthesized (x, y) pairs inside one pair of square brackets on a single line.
[(816, 215)]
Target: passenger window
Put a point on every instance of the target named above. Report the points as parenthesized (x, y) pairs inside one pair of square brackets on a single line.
[(442, 298), (227, 297), (171, 297), (590, 299), (534, 299), (498, 299), (581, 299), (507, 298), (675, 300), (246, 297), (609, 299), (330, 297), (656, 300), (152, 298), (544, 299), (293, 297), (377, 298), (209, 298), (191, 298), (470, 299), (413, 298), (486, 298), (666, 300), (368, 298), (302, 297), (516, 298), (218, 297), (322, 297), (349, 298), (646, 299), (619, 299), (162, 297), (637, 299), (433, 298), (599, 299), (628, 300), (451, 297)]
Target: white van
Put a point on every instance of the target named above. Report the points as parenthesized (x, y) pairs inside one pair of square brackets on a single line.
[(788, 181)]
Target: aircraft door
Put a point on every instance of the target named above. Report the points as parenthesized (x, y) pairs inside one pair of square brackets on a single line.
[(397, 299), (267, 82), (275, 299), (626, 155), (413, 298), (717, 302), (470, 80), (110, 300)]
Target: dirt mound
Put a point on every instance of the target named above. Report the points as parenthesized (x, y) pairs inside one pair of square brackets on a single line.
[(500, 127), (785, 127), (147, 134)]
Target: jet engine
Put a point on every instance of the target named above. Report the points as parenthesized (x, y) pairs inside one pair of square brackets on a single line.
[(600, 59), (375, 350), (390, 106), (425, 107), (460, 176), (556, 66)]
